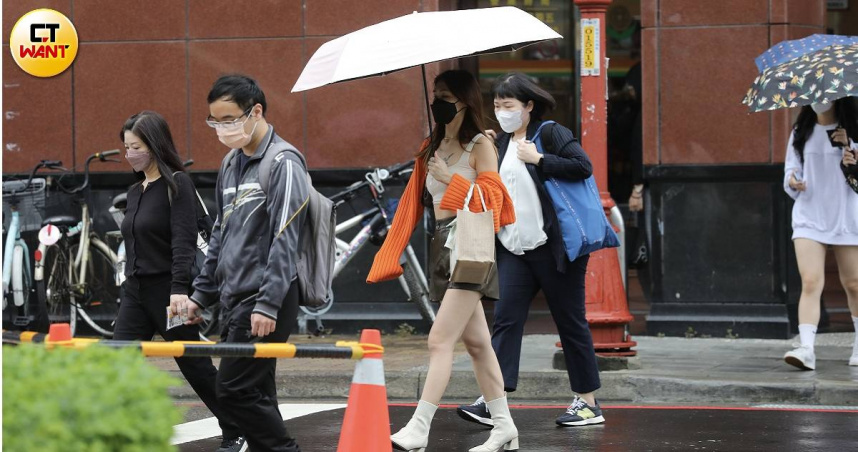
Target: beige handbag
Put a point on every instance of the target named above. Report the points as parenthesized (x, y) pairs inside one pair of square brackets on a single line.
[(472, 243)]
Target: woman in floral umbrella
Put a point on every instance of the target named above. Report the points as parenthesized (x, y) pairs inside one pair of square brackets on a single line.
[(825, 213)]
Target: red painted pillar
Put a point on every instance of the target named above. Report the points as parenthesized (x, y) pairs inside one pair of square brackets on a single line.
[(607, 306)]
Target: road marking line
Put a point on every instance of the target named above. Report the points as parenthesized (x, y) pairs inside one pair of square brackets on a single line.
[(209, 428)]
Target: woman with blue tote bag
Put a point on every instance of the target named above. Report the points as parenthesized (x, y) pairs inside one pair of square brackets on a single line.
[(548, 246)]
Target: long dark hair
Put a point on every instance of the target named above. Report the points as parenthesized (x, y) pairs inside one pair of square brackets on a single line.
[(519, 86), (846, 112), (464, 87), (153, 130)]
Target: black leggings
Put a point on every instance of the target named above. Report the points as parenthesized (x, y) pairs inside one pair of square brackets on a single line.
[(143, 312)]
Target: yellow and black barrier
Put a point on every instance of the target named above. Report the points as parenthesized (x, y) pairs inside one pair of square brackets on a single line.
[(366, 425), (340, 350), (17, 337)]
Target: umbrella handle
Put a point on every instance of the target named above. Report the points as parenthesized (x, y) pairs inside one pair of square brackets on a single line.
[(426, 96)]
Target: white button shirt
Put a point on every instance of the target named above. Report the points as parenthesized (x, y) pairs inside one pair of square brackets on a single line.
[(527, 232)]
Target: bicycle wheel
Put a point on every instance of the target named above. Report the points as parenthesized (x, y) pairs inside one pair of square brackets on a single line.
[(319, 310), (21, 278), (97, 298), (54, 289), (418, 293)]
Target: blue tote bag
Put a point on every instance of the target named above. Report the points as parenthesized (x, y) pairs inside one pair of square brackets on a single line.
[(583, 224)]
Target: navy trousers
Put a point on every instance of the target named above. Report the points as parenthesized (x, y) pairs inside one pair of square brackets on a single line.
[(521, 277)]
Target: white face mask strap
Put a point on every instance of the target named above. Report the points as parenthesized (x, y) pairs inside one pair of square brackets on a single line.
[(254, 127)]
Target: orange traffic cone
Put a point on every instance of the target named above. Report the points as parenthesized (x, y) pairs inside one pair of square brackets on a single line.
[(59, 332), (59, 336), (366, 425)]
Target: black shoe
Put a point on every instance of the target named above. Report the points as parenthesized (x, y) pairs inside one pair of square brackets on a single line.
[(233, 445), (476, 412)]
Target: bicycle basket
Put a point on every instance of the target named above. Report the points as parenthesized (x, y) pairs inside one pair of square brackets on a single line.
[(30, 202)]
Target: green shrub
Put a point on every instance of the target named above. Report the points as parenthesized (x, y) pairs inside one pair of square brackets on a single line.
[(93, 400)]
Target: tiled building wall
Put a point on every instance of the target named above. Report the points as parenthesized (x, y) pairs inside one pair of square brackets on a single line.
[(163, 55), (698, 64)]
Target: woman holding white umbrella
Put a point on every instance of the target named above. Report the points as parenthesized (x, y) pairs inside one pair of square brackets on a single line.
[(456, 157)]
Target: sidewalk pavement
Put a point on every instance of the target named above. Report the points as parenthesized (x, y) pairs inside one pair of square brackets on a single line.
[(666, 371)]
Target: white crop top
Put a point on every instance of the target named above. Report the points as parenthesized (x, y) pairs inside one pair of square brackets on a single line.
[(462, 167)]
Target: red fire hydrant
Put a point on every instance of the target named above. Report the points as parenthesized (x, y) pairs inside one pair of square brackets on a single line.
[(607, 306)]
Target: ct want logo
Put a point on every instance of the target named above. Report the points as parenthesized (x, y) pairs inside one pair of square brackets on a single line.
[(44, 43)]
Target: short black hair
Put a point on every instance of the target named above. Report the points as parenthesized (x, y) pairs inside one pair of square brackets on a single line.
[(519, 86), (240, 89)]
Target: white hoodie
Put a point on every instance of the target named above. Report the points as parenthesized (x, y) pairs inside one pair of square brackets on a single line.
[(827, 211)]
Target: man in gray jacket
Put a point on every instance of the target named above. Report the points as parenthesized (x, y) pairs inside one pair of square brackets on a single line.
[(251, 263)]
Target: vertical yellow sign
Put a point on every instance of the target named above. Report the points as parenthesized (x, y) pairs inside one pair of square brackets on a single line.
[(590, 47)]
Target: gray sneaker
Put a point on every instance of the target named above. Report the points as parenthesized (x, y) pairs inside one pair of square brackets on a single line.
[(802, 357)]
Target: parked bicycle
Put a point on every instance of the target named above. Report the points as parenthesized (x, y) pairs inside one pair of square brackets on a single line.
[(75, 268), (26, 202), (375, 223)]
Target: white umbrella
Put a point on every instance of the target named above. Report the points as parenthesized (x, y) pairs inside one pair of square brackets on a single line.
[(421, 38)]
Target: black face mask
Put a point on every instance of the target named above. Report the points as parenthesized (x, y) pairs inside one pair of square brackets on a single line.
[(443, 111)]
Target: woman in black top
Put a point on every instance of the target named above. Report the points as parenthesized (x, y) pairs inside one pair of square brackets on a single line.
[(160, 238)]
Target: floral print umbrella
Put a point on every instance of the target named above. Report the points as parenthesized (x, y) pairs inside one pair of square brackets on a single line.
[(819, 77)]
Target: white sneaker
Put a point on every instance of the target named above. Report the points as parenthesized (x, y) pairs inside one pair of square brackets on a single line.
[(801, 357), (853, 361)]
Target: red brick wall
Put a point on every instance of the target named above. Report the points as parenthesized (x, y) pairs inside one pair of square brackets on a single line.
[(163, 55), (698, 62)]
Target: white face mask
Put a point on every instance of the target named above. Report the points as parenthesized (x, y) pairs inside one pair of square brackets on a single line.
[(821, 108), (234, 136), (510, 121)]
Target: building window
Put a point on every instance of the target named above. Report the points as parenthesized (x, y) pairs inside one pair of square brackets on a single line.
[(550, 63)]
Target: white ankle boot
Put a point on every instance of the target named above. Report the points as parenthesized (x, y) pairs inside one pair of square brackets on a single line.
[(504, 434), (415, 435)]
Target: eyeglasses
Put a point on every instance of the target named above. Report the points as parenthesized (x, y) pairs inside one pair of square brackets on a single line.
[(223, 124)]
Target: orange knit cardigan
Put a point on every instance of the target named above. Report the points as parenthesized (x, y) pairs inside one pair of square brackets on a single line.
[(386, 263)]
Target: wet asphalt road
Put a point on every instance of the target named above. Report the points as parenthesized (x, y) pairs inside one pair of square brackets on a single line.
[(626, 429)]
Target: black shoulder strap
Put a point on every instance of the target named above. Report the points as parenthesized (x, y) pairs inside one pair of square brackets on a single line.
[(170, 190), (201, 205)]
